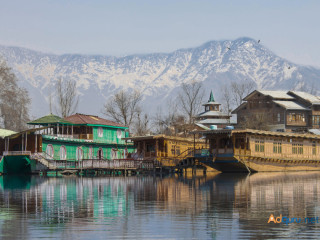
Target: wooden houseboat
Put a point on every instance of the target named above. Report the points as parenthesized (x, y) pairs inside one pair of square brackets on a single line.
[(262, 151), (167, 151), (75, 138)]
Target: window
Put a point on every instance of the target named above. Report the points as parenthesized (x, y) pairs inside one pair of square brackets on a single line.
[(277, 147), (90, 154), (50, 151), (314, 148), (259, 145), (315, 120), (100, 153), (63, 153), (296, 117), (100, 132), (79, 154), (150, 148), (297, 148), (119, 133), (114, 153), (279, 117)]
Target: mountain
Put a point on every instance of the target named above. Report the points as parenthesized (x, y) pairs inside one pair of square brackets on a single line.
[(158, 75)]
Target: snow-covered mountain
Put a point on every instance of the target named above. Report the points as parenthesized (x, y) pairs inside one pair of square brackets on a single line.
[(158, 75)]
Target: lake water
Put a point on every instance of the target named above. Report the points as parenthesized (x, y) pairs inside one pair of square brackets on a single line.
[(216, 206)]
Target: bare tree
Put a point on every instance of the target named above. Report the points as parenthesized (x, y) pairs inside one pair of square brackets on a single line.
[(259, 121), (163, 122), (190, 99), (123, 107), (227, 99), (14, 100), (240, 90), (141, 125), (67, 98)]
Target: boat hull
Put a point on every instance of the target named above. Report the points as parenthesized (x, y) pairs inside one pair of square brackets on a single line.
[(19, 164), (236, 164)]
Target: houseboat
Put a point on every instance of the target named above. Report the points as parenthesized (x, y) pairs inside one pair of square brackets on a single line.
[(167, 151), (73, 139), (261, 151)]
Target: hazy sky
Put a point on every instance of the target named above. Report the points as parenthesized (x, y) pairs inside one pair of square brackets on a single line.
[(290, 28)]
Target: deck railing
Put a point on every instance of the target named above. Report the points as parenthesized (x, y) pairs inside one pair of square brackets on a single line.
[(16, 153), (98, 164)]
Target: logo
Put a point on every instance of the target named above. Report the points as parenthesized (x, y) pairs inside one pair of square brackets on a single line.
[(275, 220), (287, 220)]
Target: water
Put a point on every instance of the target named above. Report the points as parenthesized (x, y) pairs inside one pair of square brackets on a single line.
[(216, 206)]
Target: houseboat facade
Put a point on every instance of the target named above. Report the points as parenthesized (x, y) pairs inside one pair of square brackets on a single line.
[(262, 151), (166, 151), (73, 139)]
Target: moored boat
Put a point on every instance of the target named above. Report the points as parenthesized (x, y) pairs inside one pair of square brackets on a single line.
[(262, 151)]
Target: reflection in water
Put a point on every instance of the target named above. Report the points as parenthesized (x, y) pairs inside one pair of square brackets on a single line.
[(213, 206)]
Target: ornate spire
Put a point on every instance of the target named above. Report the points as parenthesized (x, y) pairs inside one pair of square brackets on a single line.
[(211, 99)]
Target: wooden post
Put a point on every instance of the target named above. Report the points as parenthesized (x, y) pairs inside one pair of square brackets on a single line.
[(26, 141), (36, 146), (22, 142)]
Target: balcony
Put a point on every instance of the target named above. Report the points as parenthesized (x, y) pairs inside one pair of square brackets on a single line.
[(73, 138)]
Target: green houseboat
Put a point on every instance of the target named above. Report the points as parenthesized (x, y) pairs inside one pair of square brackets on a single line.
[(66, 141)]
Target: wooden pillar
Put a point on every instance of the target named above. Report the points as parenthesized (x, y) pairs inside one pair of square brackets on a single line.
[(72, 130), (36, 141), (22, 142), (157, 147), (234, 143), (26, 141), (5, 144), (57, 129)]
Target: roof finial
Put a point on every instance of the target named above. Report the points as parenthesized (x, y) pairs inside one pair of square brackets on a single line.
[(211, 99)]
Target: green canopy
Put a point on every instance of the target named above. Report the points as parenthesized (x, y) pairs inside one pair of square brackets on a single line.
[(50, 119)]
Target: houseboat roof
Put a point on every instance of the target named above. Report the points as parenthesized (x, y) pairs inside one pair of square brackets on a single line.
[(91, 120), (49, 119), (259, 132), (5, 133), (161, 136), (28, 131)]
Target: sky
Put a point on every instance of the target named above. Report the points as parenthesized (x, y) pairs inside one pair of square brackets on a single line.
[(289, 28)]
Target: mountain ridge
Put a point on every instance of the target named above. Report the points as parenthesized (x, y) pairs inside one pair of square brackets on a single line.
[(157, 75)]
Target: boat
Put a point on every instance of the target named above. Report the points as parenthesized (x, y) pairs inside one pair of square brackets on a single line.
[(249, 150), (55, 143)]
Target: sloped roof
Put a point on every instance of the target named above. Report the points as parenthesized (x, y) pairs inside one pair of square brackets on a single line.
[(273, 94), (213, 114), (91, 120), (202, 126), (5, 133), (307, 96), (162, 136), (214, 121), (49, 119), (315, 131), (290, 105)]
